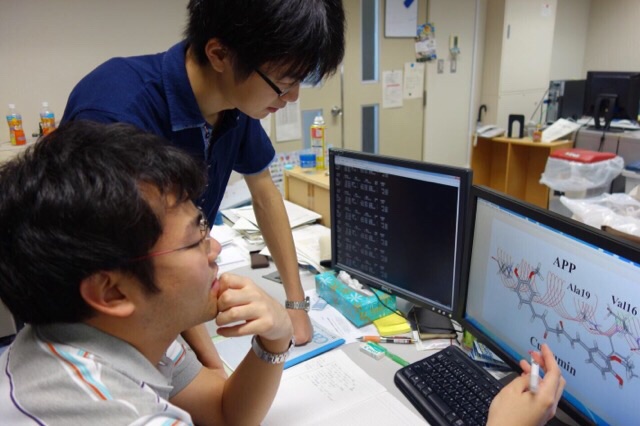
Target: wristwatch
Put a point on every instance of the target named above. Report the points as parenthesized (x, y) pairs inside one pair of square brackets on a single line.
[(270, 357), (302, 305)]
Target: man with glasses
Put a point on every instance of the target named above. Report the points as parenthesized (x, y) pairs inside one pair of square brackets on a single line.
[(240, 61), (104, 254)]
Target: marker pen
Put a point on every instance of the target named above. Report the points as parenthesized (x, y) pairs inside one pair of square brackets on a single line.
[(534, 377)]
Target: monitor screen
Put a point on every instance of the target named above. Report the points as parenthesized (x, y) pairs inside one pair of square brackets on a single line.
[(398, 225), (612, 95), (537, 277)]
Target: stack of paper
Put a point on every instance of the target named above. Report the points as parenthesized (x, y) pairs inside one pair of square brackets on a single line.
[(244, 220), (307, 241), (559, 129)]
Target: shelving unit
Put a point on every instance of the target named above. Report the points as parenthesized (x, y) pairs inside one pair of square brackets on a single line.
[(514, 166), (309, 189)]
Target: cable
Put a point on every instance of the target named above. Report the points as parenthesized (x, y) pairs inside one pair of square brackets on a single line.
[(395, 311), (539, 105)]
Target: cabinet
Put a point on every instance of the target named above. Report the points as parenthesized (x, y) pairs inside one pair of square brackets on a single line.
[(514, 166), (309, 189)]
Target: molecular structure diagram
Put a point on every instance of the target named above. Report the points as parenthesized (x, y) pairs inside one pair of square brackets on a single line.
[(523, 280)]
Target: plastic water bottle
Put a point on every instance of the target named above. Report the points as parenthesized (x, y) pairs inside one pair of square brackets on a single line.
[(16, 132), (317, 141), (47, 119)]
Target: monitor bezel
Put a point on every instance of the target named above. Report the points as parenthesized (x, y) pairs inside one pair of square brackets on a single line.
[(464, 174), (551, 219)]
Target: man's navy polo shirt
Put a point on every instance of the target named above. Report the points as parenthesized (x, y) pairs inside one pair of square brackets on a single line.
[(153, 93)]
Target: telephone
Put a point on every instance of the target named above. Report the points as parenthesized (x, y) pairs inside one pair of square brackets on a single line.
[(489, 131)]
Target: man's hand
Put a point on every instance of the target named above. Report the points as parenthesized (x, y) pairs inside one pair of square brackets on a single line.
[(516, 405), (245, 309), (302, 328)]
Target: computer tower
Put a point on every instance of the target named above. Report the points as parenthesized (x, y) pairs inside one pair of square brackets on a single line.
[(565, 99)]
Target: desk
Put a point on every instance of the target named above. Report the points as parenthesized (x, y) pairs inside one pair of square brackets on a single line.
[(8, 151), (514, 166), (309, 189), (381, 370)]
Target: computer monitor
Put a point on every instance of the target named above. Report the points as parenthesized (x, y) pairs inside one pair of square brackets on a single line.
[(537, 277), (612, 95), (398, 225), (565, 100)]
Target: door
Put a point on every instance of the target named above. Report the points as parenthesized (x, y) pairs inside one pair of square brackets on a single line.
[(358, 120), (367, 125)]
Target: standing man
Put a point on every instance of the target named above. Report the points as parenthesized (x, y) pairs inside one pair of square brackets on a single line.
[(240, 61), (105, 256)]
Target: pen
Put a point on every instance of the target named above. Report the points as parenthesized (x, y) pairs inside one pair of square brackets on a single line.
[(534, 377), (390, 355), (392, 339)]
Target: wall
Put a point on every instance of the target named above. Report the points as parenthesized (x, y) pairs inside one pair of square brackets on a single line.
[(570, 39), (48, 45), (612, 40)]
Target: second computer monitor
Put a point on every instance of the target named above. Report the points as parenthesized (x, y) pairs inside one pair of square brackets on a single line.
[(536, 277), (398, 225), (612, 95)]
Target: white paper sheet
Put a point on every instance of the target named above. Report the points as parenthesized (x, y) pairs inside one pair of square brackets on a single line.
[(332, 389)]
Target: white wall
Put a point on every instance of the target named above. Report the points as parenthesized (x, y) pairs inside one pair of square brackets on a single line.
[(570, 39), (614, 36), (48, 45)]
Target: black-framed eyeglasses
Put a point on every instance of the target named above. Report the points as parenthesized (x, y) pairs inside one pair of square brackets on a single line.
[(274, 86), (203, 225)]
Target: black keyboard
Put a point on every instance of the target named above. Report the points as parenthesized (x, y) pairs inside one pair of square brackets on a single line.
[(449, 388)]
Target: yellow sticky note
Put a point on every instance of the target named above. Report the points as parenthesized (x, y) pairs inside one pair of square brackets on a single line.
[(392, 325)]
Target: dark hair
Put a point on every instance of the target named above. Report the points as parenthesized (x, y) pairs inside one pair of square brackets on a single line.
[(72, 205), (304, 37)]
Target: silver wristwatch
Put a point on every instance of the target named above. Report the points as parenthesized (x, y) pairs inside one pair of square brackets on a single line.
[(270, 357), (302, 305)]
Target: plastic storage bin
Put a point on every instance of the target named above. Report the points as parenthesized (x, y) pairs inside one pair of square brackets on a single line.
[(577, 174), (631, 180), (631, 175)]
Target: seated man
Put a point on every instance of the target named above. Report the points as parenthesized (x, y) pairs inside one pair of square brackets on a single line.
[(105, 256)]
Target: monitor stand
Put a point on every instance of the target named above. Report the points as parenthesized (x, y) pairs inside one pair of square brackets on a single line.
[(429, 322), (604, 107)]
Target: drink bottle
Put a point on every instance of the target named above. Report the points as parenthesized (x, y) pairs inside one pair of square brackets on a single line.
[(16, 132), (47, 119), (317, 141)]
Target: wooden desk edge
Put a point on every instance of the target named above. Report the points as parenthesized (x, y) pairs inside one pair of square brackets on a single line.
[(315, 177)]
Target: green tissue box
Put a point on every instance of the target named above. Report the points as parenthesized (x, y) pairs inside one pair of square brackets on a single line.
[(358, 308)]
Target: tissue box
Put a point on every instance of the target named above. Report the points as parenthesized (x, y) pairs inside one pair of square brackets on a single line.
[(358, 308)]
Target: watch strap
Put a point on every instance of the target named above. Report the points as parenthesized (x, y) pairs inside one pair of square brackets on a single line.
[(270, 357), (301, 305)]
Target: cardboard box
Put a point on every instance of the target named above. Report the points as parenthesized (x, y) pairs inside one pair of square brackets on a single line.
[(358, 308)]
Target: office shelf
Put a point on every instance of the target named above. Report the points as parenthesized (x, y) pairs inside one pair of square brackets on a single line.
[(309, 189), (514, 166)]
